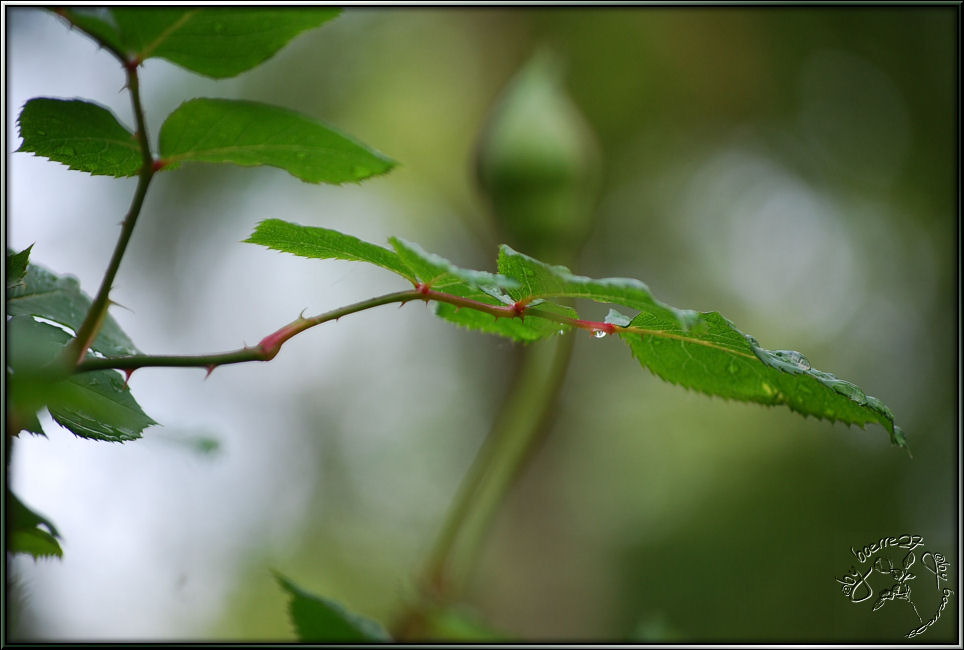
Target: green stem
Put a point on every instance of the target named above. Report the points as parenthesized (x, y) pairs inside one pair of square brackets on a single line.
[(266, 350), (88, 330)]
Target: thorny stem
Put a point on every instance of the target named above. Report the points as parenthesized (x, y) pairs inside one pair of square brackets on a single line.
[(88, 330)]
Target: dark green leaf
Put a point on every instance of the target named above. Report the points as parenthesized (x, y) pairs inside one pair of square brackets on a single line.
[(79, 134), (318, 619), (94, 405), (26, 531), (95, 22), (322, 243), (59, 299), (216, 42), (99, 405), (249, 133), (17, 265)]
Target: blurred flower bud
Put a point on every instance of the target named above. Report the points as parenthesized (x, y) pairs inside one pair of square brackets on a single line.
[(538, 164)]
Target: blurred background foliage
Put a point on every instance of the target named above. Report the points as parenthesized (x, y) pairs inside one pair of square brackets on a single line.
[(793, 168)]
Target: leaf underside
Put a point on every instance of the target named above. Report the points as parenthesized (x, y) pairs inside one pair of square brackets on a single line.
[(29, 532), (701, 351)]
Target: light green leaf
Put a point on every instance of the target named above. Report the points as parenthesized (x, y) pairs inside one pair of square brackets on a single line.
[(322, 243), (59, 299), (320, 620), (82, 135), (26, 531), (17, 265), (214, 41), (249, 133)]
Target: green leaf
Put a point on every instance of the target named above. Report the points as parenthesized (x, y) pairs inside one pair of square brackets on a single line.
[(322, 243), (249, 133), (82, 135), (25, 529), (17, 265), (91, 22), (318, 619), (99, 405), (95, 405), (539, 280), (216, 42), (720, 360), (59, 299), (701, 351), (438, 272)]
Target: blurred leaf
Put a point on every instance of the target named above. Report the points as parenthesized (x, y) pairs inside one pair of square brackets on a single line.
[(318, 619), (458, 624), (95, 405), (17, 265), (216, 42), (250, 133), (89, 21), (59, 299), (79, 134), (322, 243), (25, 534)]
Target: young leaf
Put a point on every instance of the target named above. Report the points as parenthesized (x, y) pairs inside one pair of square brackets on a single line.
[(322, 243), (17, 265), (249, 133), (59, 299), (216, 42), (82, 135), (317, 619), (26, 531)]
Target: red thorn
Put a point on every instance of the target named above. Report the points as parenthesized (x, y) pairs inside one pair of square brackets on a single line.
[(159, 164), (210, 370), (127, 375), (423, 288)]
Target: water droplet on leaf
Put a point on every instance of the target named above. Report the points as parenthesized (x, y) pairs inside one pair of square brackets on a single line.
[(599, 333), (793, 357)]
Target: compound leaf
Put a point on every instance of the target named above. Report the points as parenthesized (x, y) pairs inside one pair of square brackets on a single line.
[(322, 243), (216, 42), (701, 351), (317, 619), (82, 135), (250, 133)]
